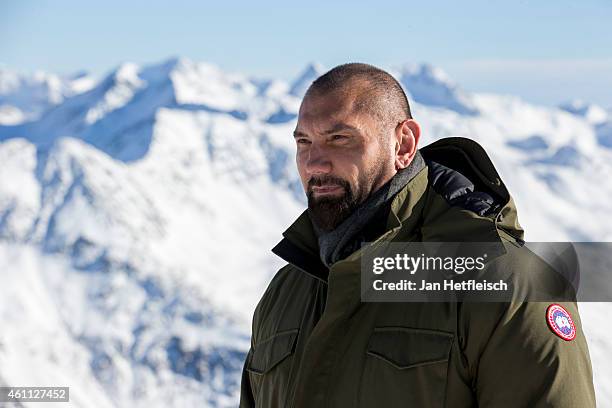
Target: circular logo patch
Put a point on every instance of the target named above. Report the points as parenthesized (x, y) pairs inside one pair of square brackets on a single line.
[(560, 322)]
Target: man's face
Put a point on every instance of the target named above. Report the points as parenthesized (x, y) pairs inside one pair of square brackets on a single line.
[(343, 155)]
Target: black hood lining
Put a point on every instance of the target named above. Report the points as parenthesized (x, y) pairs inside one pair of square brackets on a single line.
[(471, 161), (459, 191)]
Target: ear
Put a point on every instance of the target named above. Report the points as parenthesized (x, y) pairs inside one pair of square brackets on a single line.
[(407, 135)]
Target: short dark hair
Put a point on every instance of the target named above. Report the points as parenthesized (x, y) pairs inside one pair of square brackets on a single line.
[(380, 93)]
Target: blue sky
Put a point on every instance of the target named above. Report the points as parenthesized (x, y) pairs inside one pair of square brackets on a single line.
[(544, 51)]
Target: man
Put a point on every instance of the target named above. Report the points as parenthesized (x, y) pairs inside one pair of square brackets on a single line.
[(316, 344)]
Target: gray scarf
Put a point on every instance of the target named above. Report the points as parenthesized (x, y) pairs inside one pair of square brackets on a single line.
[(336, 244)]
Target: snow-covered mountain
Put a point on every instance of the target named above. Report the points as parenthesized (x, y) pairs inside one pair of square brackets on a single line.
[(591, 112), (137, 213), (26, 96), (430, 86)]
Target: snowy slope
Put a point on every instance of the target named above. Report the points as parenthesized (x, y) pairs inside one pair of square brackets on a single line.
[(428, 85), (137, 214), (593, 113), (26, 96)]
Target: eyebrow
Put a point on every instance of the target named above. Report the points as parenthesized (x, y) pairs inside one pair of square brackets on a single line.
[(338, 127)]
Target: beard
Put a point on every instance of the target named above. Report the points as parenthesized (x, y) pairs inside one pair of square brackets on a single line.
[(329, 212), (326, 212)]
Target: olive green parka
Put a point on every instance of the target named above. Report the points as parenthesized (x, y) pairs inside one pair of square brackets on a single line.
[(315, 344)]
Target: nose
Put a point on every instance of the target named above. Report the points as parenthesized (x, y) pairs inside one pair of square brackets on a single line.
[(318, 161)]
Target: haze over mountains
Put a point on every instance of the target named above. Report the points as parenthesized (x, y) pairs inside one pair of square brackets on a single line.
[(137, 213)]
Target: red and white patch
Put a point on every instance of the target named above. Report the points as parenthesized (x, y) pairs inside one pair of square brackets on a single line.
[(560, 322)]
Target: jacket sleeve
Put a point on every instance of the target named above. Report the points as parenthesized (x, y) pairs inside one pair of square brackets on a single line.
[(525, 364), (247, 400)]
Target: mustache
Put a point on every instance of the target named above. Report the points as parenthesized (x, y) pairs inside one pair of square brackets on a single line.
[(318, 181)]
